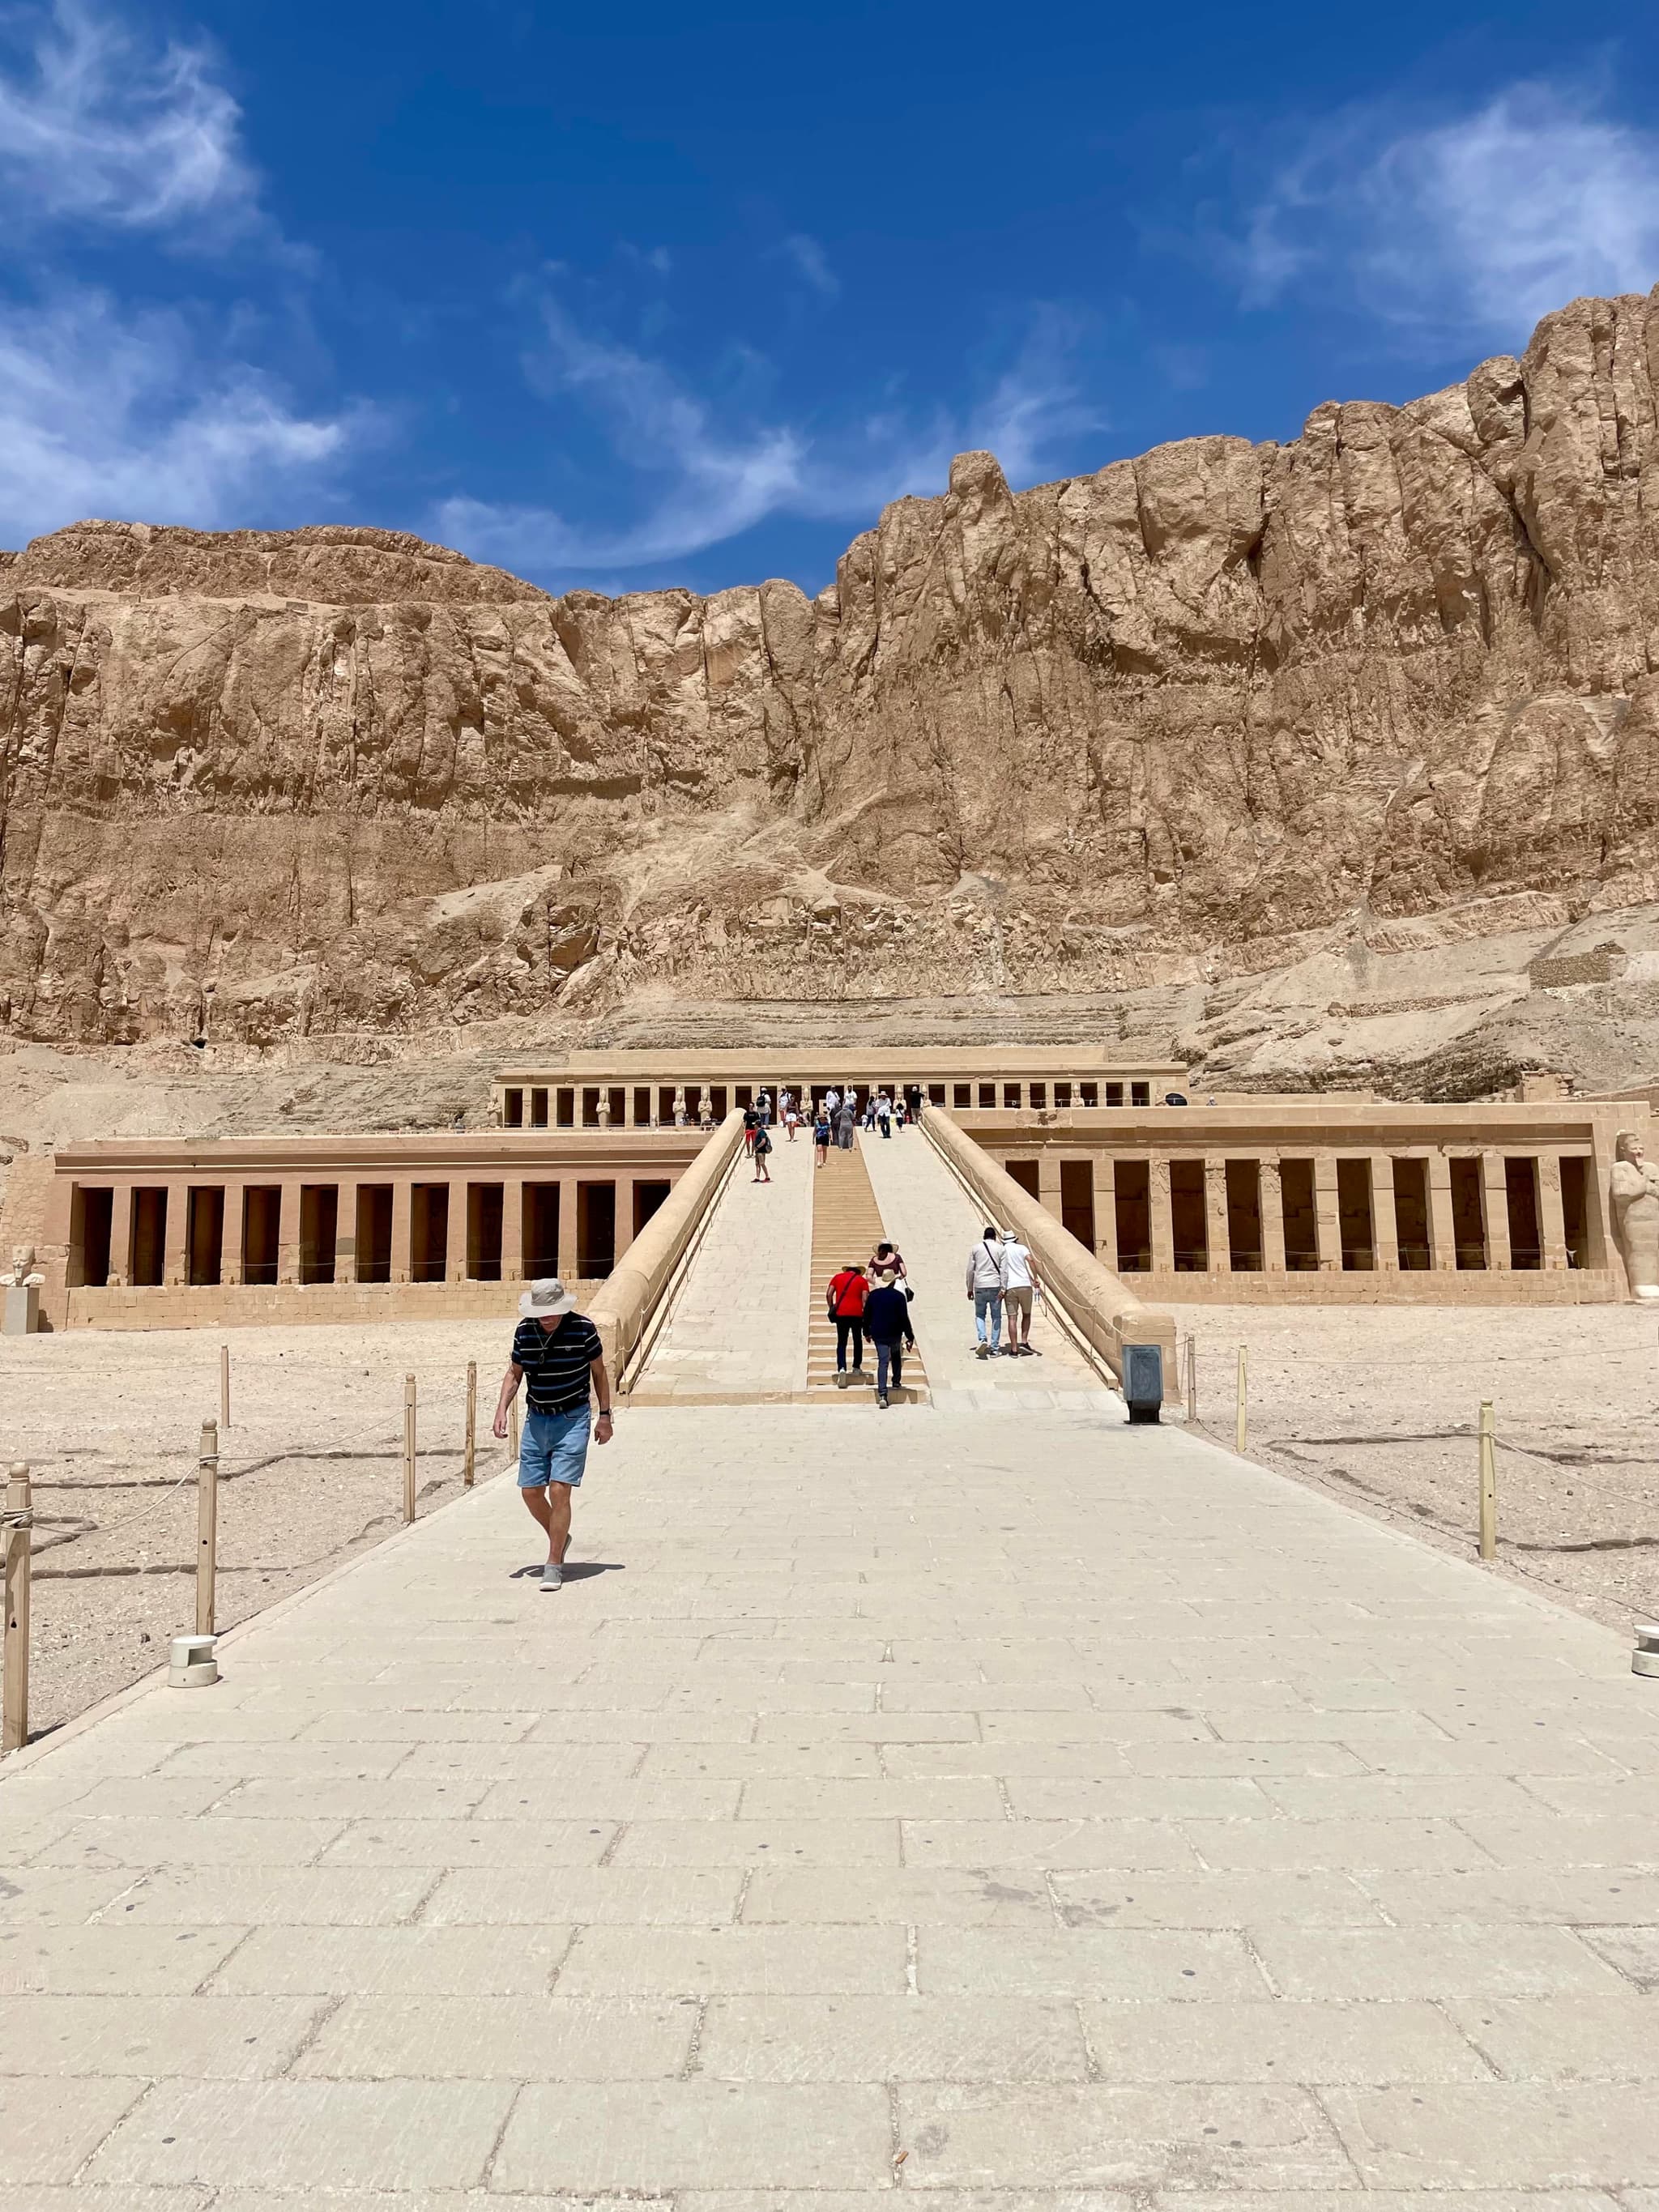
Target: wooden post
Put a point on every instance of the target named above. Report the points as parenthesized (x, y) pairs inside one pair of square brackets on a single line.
[(19, 1521), (409, 1447), (1192, 1378), (513, 1417), (207, 1526), (224, 1386), (1488, 1483), (1240, 1421), (471, 1421)]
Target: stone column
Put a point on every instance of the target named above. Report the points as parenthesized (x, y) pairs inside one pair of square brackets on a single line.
[(175, 1242), (1552, 1222), (604, 1106), (1048, 1181), (512, 1229), (230, 1252), (679, 1105), (403, 1256), (1161, 1222), (569, 1201), (624, 1215), (1327, 1214), (1442, 1229), (1219, 1249), (1105, 1189), (705, 1108), (1385, 1232), (287, 1231), (345, 1231), (1270, 1198), (1495, 1193), (120, 1236), (455, 1240)]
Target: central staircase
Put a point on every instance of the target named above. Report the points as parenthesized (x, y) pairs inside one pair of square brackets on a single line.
[(846, 1227)]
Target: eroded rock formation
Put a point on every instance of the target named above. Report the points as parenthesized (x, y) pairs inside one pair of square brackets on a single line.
[(1184, 719)]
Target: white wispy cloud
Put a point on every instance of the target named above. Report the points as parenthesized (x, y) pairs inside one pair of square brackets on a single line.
[(811, 263), (98, 122), (1480, 221), (716, 479), (109, 415)]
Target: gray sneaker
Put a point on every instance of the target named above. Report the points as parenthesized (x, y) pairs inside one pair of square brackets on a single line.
[(552, 1575)]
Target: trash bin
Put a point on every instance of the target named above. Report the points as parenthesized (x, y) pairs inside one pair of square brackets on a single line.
[(1143, 1380)]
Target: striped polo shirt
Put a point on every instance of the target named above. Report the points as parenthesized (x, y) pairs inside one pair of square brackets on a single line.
[(556, 1362)]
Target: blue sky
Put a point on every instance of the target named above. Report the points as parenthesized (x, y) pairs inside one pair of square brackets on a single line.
[(684, 296)]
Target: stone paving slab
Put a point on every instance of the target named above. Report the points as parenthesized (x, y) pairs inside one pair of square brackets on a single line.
[(1104, 1823)]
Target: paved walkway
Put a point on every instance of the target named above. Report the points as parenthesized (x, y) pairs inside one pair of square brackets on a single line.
[(738, 1328), (932, 1221), (949, 1804)]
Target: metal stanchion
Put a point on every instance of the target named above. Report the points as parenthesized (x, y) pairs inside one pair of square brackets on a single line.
[(409, 1447), (15, 1529), (224, 1386), (1192, 1379), (514, 1431), (1240, 1424), (471, 1422), (1488, 1483), (207, 1528)]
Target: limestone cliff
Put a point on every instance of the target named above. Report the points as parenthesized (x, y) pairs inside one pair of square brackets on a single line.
[(1187, 719)]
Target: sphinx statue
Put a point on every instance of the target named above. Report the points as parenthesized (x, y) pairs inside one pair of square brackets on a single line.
[(1635, 1193)]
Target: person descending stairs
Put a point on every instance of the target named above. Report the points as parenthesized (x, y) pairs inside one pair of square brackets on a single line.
[(846, 1227)]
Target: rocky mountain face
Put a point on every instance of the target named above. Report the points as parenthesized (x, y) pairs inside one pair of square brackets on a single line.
[(1203, 714)]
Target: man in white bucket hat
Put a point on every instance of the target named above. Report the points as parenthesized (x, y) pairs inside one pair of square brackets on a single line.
[(558, 1355)]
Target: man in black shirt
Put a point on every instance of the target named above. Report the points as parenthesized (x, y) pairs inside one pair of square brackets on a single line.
[(558, 1355)]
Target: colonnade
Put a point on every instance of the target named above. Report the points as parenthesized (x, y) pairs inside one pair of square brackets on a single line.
[(550, 1104), (1322, 1210), (176, 1230)]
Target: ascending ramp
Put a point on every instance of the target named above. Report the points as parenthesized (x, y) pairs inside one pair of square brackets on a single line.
[(847, 1226), (934, 1222), (736, 1328)]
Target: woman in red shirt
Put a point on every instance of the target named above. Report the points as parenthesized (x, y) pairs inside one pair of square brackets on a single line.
[(847, 1294)]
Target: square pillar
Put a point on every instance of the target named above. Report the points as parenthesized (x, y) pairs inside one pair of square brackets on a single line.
[(1105, 1187), (1271, 1201), (624, 1236), (287, 1231), (455, 1240), (345, 1232), (1218, 1246), (1161, 1222), (1442, 1229), (1048, 1181), (567, 1204), (512, 1229), (1327, 1214), (120, 1236), (1385, 1228), (1552, 1222), (402, 1254), (175, 1244), (230, 1256), (1495, 1196)]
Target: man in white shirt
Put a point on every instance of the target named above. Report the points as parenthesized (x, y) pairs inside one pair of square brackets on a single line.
[(1019, 1285), (984, 1291)]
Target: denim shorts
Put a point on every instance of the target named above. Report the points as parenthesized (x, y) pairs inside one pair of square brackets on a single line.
[(553, 1449)]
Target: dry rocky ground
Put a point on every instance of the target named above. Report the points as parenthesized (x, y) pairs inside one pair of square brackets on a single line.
[(311, 1471), (1379, 1406)]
